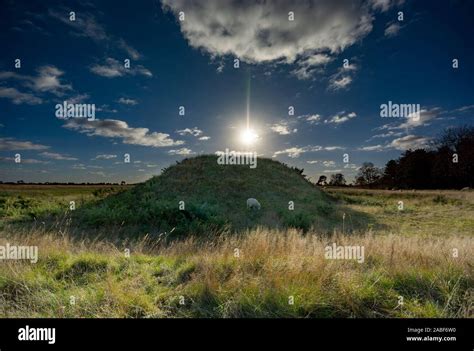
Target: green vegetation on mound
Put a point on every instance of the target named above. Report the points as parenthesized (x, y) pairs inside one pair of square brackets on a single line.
[(214, 197)]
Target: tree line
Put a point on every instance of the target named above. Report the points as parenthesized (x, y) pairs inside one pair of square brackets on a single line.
[(448, 163)]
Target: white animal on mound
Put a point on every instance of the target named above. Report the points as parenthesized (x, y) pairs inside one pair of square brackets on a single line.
[(253, 204)]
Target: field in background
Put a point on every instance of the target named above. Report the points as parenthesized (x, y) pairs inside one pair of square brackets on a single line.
[(408, 255), (425, 212)]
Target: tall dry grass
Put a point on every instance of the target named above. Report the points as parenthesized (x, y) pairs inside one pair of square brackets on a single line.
[(259, 273)]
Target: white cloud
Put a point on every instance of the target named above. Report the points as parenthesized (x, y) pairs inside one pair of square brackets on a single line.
[(372, 148), (310, 65), (403, 143), (18, 97), (79, 166), (47, 80), (134, 54), (343, 77), (23, 160), (385, 5), (10, 144), (86, 25), (183, 151), (57, 156), (106, 108), (127, 101), (105, 157), (410, 142), (311, 119), (392, 29), (385, 135), (98, 173), (113, 68), (295, 152), (340, 83), (258, 32), (196, 132), (329, 163), (111, 128), (190, 131), (464, 108), (341, 117), (424, 118), (283, 128), (77, 99)]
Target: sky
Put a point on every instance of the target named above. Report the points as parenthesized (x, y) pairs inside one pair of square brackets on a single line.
[(310, 76)]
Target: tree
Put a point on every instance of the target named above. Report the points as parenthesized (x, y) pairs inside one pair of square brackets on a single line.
[(368, 174), (390, 176), (322, 180), (337, 180)]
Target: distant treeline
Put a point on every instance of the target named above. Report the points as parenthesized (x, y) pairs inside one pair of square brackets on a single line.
[(448, 163)]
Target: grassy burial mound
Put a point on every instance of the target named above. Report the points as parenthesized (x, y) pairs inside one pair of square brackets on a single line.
[(198, 196)]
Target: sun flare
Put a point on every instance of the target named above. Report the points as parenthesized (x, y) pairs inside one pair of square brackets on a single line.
[(248, 136)]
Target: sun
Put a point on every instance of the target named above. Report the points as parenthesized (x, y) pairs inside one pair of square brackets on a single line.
[(248, 136)]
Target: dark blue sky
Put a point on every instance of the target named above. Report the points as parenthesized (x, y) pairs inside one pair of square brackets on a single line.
[(190, 63)]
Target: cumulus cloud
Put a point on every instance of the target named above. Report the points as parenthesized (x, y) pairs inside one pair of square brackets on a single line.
[(112, 128), (113, 68), (341, 117), (10, 144), (258, 32)]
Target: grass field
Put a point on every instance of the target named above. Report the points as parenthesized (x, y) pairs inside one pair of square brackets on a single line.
[(410, 268)]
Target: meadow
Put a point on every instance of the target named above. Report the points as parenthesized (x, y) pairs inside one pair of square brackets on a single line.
[(418, 262)]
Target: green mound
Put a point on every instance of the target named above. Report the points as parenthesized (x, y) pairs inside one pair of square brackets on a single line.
[(214, 197)]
